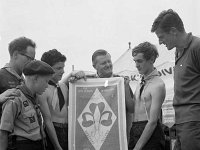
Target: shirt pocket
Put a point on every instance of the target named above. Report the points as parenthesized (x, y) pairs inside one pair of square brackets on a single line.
[(30, 119)]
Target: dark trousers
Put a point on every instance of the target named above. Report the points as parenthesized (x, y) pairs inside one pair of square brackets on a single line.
[(29, 145), (156, 142), (62, 135), (11, 142), (188, 136)]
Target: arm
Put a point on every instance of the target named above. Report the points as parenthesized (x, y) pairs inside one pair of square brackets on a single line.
[(158, 96), (3, 139), (9, 114), (129, 99), (195, 54), (74, 76), (47, 120), (8, 94)]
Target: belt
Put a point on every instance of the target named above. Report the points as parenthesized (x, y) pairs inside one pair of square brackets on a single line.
[(20, 139), (138, 122), (60, 125)]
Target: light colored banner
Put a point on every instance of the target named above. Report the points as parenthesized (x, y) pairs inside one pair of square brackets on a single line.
[(97, 118)]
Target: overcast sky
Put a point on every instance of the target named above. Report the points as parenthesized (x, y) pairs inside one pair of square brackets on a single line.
[(79, 27)]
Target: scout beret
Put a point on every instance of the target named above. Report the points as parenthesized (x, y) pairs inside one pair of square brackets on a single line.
[(38, 67)]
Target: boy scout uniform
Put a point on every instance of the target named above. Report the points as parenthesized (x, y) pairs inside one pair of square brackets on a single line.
[(21, 116)]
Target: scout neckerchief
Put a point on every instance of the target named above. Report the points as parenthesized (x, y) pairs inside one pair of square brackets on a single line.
[(32, 98), (60, 94), (145, 79)]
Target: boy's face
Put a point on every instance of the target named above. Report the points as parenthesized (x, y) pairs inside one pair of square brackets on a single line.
[(41, 83), (142, 64), (59, 71)]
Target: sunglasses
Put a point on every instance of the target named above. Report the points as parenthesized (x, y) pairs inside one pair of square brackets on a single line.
[(29, 57)]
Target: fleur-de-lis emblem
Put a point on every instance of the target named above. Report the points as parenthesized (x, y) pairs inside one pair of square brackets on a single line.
[(103, 119), (96, 119)]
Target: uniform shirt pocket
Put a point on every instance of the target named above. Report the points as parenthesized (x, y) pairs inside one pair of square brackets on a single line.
[(30, 119)]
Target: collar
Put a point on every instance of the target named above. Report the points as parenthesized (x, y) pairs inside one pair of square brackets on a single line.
[(188, 41), (187, 44), (52, 83), (27, 93), (13, 72), (150, 76)]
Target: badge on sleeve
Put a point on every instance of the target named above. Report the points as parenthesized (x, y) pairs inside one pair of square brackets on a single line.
[(32, 119), (25, 103)]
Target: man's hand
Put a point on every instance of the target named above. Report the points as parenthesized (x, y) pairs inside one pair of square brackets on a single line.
[(77, 76), (9, 94)]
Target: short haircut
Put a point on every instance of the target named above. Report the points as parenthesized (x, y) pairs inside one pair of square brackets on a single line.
[(100, 52), (52, 57), (20, 44), (167, 19), (147, 49)]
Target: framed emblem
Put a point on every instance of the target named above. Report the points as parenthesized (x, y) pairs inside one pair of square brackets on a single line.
[(97, 119)]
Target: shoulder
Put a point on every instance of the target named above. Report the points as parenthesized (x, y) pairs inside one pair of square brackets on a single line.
[(196, 39), (16, 101), (157, 84), (63, 86), (4, 73), (6, 77), (195, 43)]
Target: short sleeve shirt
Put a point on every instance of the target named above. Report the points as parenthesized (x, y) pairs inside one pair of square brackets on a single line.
[(187, 82), (20, 118), (8, 79)]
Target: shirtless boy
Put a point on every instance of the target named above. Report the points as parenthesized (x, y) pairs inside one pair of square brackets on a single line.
[(146, 132)]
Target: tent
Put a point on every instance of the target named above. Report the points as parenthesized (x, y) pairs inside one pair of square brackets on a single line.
[(125, 66)]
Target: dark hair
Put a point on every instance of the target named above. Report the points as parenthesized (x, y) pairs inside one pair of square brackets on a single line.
[(20, 44), (167, 19), (147, 49), (100, 52), (52, 57)]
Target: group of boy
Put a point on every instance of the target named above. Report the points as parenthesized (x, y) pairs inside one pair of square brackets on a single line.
[(39, 99)]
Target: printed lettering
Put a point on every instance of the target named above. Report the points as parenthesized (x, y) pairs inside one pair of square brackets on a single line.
[(163, 72), (169, 71)]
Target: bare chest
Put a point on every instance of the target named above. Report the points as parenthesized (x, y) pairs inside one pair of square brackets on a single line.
[(142, 104)]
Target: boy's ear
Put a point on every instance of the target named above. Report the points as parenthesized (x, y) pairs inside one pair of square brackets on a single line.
[(173, 30), (35, 77), (152, 60), (15, 54)]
